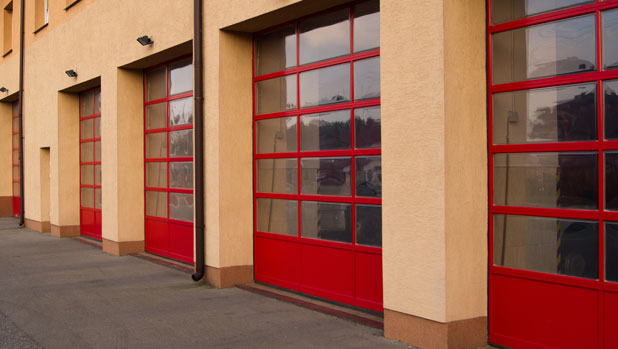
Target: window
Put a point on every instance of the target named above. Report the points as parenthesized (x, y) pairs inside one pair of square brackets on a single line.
[(8, 28), (41, 14)]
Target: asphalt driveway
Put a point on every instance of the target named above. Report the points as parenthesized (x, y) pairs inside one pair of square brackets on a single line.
[(61, 293)]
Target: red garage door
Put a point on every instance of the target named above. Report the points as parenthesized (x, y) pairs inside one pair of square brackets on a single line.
[(90, 163), (15, 158), (168, 128), (318, 179), (553, 164)]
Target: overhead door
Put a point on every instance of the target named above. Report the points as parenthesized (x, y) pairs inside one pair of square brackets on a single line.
[(318, 177), (90, 163)]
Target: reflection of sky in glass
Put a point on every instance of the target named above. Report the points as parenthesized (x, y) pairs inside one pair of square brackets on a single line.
[(534, 7), (325, 86), (610, 39), (561, 47), (325, 41)]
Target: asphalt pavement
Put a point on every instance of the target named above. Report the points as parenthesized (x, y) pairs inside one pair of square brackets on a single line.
[(62, 293)]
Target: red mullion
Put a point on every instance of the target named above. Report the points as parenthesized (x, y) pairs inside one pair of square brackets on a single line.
[(546, 277), (321, 198), (156, 160), (316, 154), (179, 95), (547, 212), (320, 109), (93, 116), (180, 127), (545, 147), (90, 140), (155, 101), (551, 16), (577, 78), (180, 190), (92, 186), (320, 64)]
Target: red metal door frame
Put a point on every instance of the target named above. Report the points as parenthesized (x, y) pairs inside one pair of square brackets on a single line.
[(165, 236), (90, 214), (530, 309), (15, 158), (364, 262)]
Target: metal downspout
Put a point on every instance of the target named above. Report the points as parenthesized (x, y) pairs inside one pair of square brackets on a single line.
[(21, 112), (198, 120)]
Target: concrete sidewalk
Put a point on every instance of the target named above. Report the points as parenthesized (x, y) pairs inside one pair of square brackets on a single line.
[(61, 293)]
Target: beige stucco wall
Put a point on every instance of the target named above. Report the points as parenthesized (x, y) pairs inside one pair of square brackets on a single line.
[(434, 158), (102, 39), (465, 159)]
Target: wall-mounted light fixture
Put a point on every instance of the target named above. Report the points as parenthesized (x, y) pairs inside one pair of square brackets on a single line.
[(4, 89), (71, 73), (145, 40)]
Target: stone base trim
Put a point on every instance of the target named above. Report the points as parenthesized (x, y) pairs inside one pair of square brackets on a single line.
[(122, 248), (229, 276), (423, 333), (65, 231), (6, 206), (41, 227)]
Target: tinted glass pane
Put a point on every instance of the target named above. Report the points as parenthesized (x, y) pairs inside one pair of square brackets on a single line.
[(277, 176), (277, 216), (181, 175), (611, 181), (367, 122), (97, 127), (87, 197), (552, 180), (325, 176), (87, 131), (181, 207), (16, 173), (181, 112), (611, 252), (156, 174), (97, 199), (556, 48), (181, 77), (276, 135), (181, 143), (325, 36), (555, 114), (15, 108), (97, 102), (325, 86), (156, 84), (15, 156), (86, 102), (510, 10), (610, 39), (156, 204), (97, 151), (275, 95), (611, 109), (547, 245), (156, 116), (156, 145), (87, 152), (325, 131), (367, 78), (15, 189), (369, 176), (97, 175), (369, 225), (326, 221), (87, 174), (15, 124), (15, 141), (367, 26), (275, 51)]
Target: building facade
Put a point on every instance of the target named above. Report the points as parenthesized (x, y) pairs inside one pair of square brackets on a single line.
[(448, 164)]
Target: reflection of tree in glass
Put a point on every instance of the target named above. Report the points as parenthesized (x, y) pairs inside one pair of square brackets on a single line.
[(569, 120), (367, 132)]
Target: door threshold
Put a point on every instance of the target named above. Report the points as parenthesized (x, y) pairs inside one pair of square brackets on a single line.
[(344, 312), (187, 268)]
